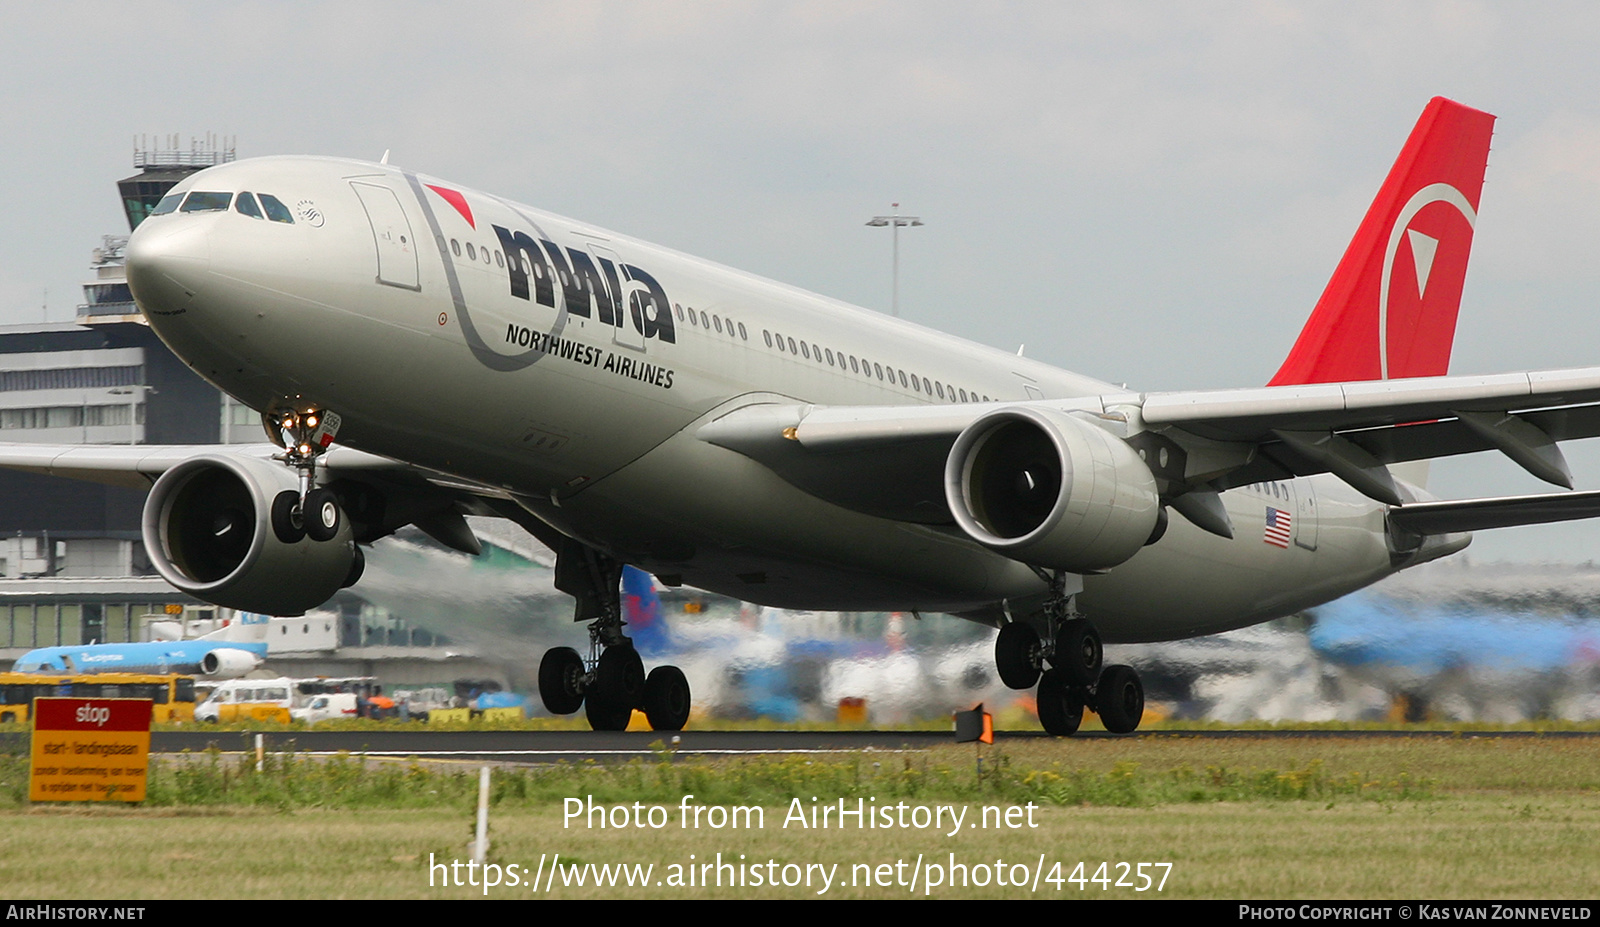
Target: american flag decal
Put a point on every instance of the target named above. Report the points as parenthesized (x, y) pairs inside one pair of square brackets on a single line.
[(1277, 531)]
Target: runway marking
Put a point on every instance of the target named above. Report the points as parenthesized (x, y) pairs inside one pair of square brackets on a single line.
[(576, 752)]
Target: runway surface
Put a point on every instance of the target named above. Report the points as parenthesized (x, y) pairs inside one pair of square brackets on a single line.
[(576, 746)]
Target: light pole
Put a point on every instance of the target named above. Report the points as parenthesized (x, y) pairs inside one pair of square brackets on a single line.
[(895, 223)]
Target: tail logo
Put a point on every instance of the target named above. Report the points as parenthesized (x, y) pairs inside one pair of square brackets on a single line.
[(1423, 249)]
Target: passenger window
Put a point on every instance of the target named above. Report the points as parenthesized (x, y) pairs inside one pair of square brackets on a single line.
[(498, 262), (691, 317), (805, 351), (247, 204), (878, 369), (743, 335), (767, 335), (168, 204), (275, 209), (717, 321), (829, 352), (472, 253), (678, 308), (206, 202), (705, 321), (455, 247), (902, 375), (792, 349)]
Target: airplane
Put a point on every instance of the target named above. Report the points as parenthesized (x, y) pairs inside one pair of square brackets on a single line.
[(1498, 644), (229, 652), (421, 351)]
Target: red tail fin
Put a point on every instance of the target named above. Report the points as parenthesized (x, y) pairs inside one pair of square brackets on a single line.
[(1390, 309)]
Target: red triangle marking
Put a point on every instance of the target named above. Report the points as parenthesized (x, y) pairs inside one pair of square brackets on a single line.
[(458, 201)]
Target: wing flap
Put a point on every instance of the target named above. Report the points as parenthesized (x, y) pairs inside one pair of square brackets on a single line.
[(1252, 414), (1504, 512)]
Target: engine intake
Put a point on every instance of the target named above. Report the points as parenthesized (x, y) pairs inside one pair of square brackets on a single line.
[(1051, 490), (207, 528)]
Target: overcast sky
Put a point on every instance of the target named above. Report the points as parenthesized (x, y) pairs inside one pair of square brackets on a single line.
[(1148, 193)]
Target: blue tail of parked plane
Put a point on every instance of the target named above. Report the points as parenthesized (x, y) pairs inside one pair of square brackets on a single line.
[(641, 609)]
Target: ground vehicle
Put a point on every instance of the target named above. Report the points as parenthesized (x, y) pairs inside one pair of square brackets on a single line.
[(248, 700), (171, 695), (327, 706)]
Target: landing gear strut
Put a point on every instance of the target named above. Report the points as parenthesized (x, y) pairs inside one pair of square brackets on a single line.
[(1075, 679), (314, 510), (611, 683)]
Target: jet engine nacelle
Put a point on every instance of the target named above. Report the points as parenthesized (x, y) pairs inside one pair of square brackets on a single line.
[(1048, 489), (208, 530), (226, 663)]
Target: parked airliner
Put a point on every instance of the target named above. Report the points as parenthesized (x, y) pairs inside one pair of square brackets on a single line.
[(420, 351), (230, 651)]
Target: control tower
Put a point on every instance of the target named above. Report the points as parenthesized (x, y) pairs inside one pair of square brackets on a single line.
[(161, 166)]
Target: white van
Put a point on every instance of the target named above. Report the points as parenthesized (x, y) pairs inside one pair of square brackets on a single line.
[(329, 706), (248, 700)]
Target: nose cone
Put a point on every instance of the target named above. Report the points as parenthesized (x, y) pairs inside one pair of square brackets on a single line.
[(168, 261)]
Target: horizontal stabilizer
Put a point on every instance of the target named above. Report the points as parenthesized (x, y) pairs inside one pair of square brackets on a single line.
[(1504, 512)]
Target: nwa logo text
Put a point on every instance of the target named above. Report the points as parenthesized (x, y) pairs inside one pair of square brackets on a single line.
[(588, 291)]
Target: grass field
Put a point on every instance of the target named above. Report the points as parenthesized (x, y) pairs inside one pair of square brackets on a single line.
[(1461, 817)]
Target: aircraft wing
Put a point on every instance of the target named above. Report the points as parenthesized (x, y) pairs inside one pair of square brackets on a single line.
[(889, 460), (136, 466), (435, 502)]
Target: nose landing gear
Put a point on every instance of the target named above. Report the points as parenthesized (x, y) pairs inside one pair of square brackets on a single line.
[(314, 510), (612, 683)]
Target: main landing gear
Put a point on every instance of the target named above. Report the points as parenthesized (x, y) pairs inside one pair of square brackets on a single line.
[(611, 683), (1067, 665)]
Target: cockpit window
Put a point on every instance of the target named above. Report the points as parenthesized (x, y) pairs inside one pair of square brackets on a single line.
[(199, 201), (168, 204), (247, 205), (276, 211)]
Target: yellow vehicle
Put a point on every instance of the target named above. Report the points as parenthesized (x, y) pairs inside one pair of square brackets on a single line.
[(172, 695), (248, 700)]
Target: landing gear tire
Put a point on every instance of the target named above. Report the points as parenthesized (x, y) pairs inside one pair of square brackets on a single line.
[(1016, 655), (618, 689), (285, 517), (1078, 652), (321, 515), (1119, 699), (1060, 705), (560, 680), (666, 699)]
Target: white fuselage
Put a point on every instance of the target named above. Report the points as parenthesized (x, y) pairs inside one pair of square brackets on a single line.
[(383, 301)]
